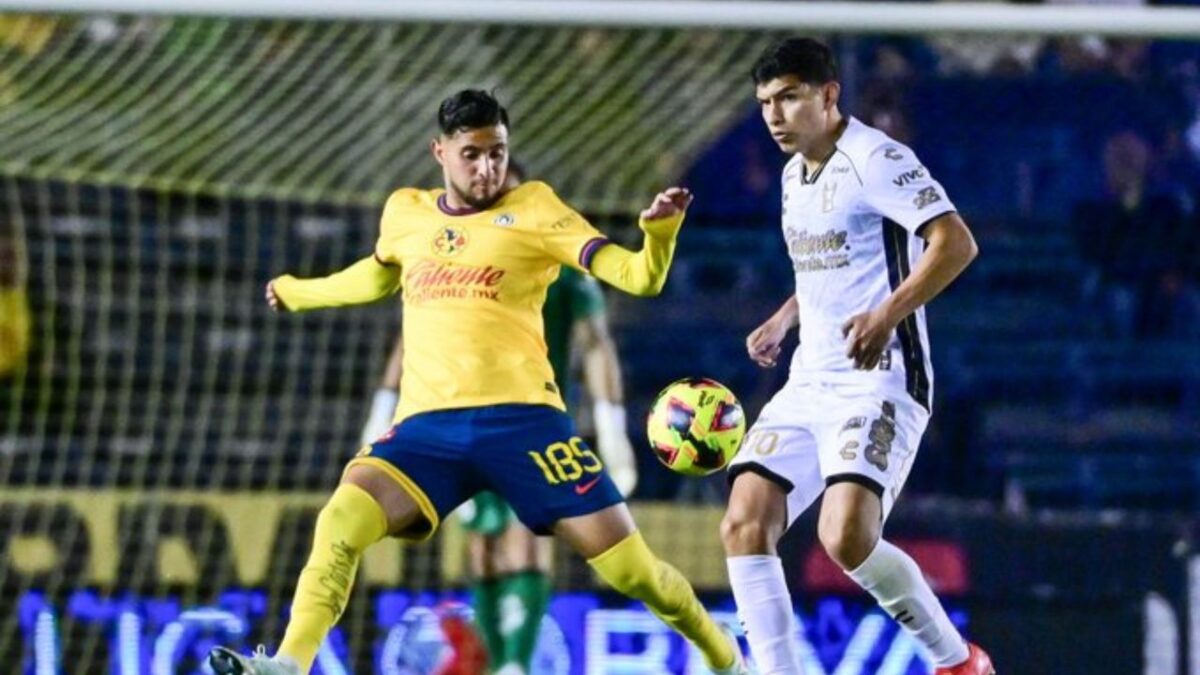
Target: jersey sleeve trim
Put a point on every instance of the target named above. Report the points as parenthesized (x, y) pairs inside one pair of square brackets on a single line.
[(383, 262), (918, 228), (589, 251)]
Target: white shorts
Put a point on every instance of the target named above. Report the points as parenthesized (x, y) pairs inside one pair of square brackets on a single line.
[(811, 435)]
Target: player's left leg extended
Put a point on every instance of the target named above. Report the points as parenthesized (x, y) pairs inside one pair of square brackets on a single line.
[(616, 550), (850, 526)]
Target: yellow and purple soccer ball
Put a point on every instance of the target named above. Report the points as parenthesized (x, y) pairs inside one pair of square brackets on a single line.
[(695, 426)]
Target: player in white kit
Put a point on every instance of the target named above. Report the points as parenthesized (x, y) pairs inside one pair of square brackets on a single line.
[(872, 238)]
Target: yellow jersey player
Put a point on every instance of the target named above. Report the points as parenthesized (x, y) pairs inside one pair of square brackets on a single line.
[(510, 566), (478, 407)]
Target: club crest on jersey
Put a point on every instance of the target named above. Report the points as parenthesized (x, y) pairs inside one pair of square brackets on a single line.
[(450, 241), (504, 220), (827, 194)]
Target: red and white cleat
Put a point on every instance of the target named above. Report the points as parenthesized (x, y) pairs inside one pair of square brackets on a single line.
[(977, 663)]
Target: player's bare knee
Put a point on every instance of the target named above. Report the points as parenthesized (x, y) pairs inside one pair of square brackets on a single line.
[(403, 513), (744, 534), (755, 518), (847, 540)]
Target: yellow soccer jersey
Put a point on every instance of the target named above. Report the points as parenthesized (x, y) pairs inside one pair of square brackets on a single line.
[(474, 283)]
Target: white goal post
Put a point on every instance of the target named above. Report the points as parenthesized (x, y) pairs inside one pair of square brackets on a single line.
[(860, 17)]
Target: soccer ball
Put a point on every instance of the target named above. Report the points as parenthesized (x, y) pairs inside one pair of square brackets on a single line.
[(695, 426)]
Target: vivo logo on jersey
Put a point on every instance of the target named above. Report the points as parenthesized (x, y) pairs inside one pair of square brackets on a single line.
[(908, 177)]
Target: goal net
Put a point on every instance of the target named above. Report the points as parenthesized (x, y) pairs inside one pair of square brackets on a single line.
[(166, 441)]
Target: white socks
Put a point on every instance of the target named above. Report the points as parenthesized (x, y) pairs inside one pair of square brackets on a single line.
[(765, 609), (894, 579)]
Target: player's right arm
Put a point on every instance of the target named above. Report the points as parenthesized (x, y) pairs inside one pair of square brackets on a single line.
[(899, 188), (765, 342), (365, 281)]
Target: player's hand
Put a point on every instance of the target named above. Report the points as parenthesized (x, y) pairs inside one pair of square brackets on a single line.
[(766, 342), (669, 202), (273, 298), (867, 335)]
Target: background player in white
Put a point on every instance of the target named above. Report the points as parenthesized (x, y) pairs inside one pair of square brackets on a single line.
[(872, 238)]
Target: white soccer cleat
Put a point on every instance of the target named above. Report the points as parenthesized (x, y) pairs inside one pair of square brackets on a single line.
[(738, 667), (511, 669), (225, 661)]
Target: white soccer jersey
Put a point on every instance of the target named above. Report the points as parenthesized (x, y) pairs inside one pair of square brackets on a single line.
[(850, 229)]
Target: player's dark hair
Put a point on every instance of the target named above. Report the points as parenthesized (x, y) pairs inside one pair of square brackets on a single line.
[(809, 60), (470, 109)]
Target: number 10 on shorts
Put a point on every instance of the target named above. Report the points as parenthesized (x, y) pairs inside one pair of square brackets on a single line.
[(566, 462)]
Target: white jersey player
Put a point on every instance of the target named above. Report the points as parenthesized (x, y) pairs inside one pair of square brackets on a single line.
[(872, 238)]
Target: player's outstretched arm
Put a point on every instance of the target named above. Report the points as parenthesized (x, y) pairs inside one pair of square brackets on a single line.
[(644, 273), (365, 281), (950, 248)]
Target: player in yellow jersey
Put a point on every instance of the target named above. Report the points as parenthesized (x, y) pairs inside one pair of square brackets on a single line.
[(478, 405), (510, 566)]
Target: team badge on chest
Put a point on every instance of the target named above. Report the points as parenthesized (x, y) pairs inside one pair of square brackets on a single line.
[(449, 242), (828, 191)]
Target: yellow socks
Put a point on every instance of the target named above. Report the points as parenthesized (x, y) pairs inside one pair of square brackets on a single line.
[(349, 523), (631, 568)]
